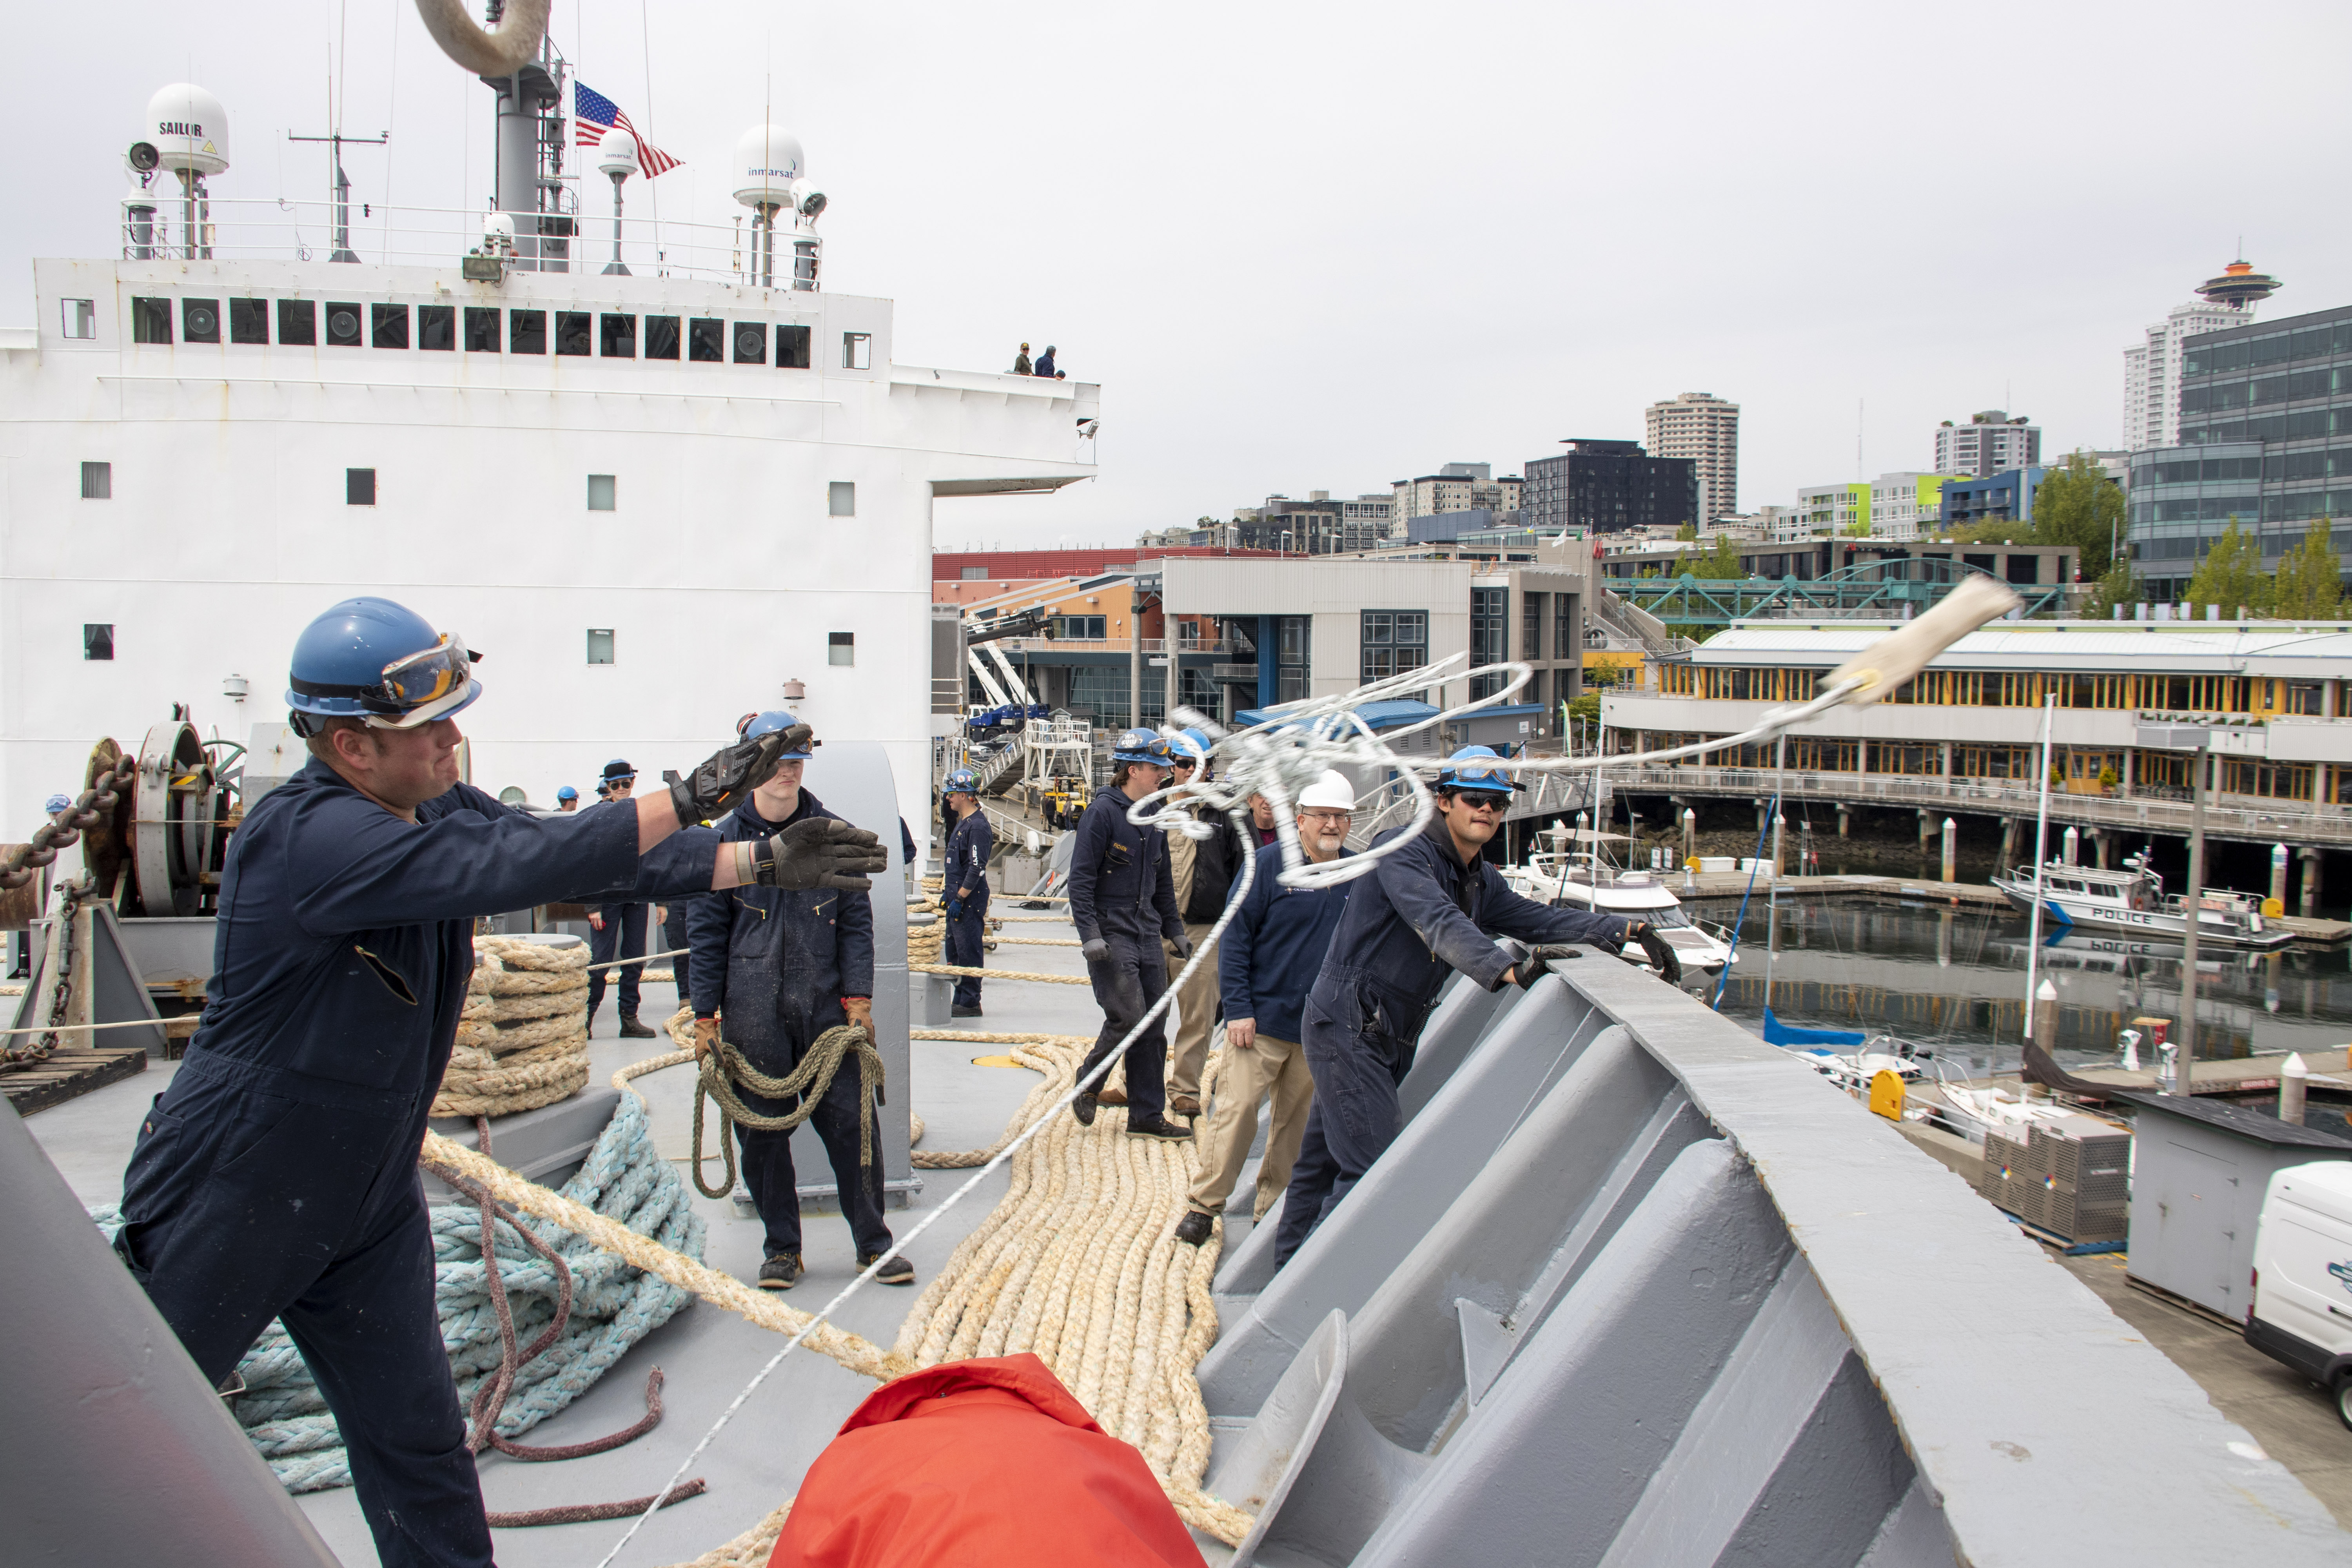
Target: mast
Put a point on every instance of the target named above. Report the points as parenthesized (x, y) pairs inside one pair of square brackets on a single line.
[(2041, 853)]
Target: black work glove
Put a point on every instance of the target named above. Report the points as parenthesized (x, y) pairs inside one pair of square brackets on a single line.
[(1658, 950), (1542, 960), (1182, 942), (730, 774), (1093, 950), (818, 852)]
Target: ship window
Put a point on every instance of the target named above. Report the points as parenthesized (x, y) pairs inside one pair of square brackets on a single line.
[(857, 351), (600, 645), (841, 499), (791, 348), (248, 321), (661, 337), (98, 639), (97, 481), (298, 322), (437, 327), (707, 340), (841, 647), (601, 498), (750, 342), (391, 326), (343, 324), (80, 317), (200, 321), (572, 332), (481, 329), (526, 331), (619, 336), (151, 320), (359, 487)]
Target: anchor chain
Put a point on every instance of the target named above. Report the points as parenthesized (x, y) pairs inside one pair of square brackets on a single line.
[(95, 805)]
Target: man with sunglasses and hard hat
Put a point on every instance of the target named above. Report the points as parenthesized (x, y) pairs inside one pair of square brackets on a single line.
[(1431, 907), (971, 841), (616, 931), (773, 969), (1123, 904), (276, 1178)]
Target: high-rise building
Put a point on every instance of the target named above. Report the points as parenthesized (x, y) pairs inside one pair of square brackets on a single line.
[(1893, 506), (1608, 486), (1706, 429), (1456, 487), (2152, 370), (1993, 441)]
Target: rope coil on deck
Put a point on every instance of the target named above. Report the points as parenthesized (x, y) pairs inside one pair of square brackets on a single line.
[(523, 1041)]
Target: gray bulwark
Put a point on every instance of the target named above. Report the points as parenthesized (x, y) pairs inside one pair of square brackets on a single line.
[(102, 1399), (1729, 1318)]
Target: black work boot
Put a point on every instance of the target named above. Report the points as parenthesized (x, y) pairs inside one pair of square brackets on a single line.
[(1083, 1108), (781, 1272), (898, 1271), (1158, 1127), (633, 1030), (1194, 1228)]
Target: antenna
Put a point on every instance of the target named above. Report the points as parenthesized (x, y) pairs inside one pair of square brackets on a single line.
[(340, 183)]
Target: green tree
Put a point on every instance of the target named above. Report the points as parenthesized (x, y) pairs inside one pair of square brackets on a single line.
[(1688, 531), (1585, 705), (1720, 563), (1857, 531), (2119, 587), (2310, 582), (2078, 504), (2230, 576)]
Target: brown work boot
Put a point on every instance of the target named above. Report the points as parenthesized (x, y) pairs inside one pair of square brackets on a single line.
[(633, 1030), (1183, 1105)]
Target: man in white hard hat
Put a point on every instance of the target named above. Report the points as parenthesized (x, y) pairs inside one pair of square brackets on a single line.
[(1270, 955)]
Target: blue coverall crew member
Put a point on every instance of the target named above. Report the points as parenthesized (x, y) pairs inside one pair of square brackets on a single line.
[(783, 967), (617, 929), (567, 799), (970, 843), (277, 1176), (1123, 902), (1430, 908)]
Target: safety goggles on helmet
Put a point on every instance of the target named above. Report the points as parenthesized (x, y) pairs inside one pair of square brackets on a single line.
[(424, 686), (963, 781), (1141, 746)]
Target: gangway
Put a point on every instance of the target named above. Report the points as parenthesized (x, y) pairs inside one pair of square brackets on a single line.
[(1894, 589)]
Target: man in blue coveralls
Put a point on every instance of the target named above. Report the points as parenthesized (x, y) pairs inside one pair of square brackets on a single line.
[(784, 967), (1123, 902), (617, 929), (277, 1176), (970, 843), (1429, 909)]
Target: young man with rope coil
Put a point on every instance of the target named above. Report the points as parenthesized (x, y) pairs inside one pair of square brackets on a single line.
[(277, 1176), (792, 973)]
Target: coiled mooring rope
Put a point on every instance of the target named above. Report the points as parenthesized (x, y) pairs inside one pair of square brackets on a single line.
[(523, 1041), (724, 1071)]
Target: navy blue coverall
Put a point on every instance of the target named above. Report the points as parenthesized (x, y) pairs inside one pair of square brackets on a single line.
[(776, 965), (277, 1176), (623, 935), (970, 843), (1421, 915), (1123, 891)]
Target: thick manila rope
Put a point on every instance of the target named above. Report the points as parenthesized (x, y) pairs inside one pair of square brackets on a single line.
[(522, 1041), (998, 973), (719, 1075)]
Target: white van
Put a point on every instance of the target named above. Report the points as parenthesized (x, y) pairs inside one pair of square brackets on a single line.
[(2302, 1313)]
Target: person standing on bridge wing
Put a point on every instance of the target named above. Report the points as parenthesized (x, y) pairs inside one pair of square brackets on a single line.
[(276, 1177), (970, 843), (1123, 905), (1429, 909), (781, 968)]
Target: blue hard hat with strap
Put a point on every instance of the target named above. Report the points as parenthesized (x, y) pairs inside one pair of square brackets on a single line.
[(567, 792), (1141, 746), (768, 723), (963, 781), (1462, 771), (1190, 745), (371, 658)]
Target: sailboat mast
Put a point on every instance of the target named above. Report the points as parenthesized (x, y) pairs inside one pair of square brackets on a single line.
[(2040, 854)]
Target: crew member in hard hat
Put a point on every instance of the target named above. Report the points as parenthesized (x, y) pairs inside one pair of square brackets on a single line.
[(772, 970), (617, 929), (1272, 949), (1432, 906), (276, 1177), (1123, 903), (970, 843), (567, 799), (1203, 871)]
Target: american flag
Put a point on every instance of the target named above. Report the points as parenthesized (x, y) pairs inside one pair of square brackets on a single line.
[(593, 114)]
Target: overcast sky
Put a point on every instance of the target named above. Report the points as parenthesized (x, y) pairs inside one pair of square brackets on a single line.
[(1330, 247)]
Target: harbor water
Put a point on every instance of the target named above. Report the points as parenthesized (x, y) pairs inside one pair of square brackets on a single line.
[(1953, 980)]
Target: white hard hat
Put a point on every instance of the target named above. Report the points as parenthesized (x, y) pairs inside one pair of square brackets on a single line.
[(1332, 792)]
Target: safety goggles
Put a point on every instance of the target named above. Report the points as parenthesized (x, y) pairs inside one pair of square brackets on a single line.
[(1482, 800), (423, 687)]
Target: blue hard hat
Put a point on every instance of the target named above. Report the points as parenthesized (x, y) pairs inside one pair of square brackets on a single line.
[(567, 792), (963, 781), (1141, 746), (1462, 771), (57, 803), (768, 723), (1191, 743), (371, 658)]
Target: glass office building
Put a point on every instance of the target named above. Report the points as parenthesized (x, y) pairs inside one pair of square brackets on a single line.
[(2266, 439)]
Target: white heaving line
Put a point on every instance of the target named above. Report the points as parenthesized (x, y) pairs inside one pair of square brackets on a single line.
[(1292, 749)]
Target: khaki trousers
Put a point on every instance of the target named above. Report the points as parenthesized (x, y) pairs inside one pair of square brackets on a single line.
[(1269, 1068), (1196, 1014)]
